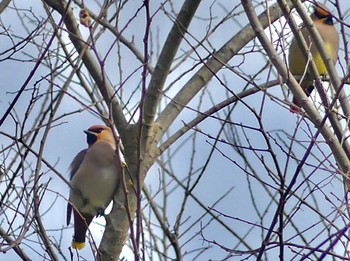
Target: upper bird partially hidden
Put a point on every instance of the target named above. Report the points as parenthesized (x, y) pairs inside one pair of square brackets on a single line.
[(323, 21), (94, 174)]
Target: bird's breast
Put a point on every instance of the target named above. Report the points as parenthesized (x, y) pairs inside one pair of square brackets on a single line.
[(95, 181)]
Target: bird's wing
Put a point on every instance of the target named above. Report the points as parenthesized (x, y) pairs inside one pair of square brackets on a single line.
[(69, 213), (78, 159), (74, 166)]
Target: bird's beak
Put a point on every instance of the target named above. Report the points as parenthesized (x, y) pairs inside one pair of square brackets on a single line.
[(87, 132)]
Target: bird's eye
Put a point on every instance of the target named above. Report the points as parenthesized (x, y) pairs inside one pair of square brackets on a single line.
[(99, 130)]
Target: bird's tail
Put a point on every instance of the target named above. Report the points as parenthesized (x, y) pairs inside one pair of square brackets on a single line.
[(308, 88), (81, 224)]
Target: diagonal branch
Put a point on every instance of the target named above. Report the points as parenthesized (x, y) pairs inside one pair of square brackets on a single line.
[(315, 117), (338, 130), (209, 69), (208, 113), (89, 61), (165, 60), (317, 40)]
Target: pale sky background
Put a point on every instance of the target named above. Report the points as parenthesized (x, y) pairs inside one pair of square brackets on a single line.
[(68, 139)]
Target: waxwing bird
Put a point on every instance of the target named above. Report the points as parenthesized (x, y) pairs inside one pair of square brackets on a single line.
[(94, 178), (322, 19)]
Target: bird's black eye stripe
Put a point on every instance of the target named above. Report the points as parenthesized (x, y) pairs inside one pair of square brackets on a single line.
[(98, 130), (321, 16), (320, 13)]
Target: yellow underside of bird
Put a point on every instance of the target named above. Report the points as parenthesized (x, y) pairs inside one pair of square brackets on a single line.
[(298, 66), (321, 67)]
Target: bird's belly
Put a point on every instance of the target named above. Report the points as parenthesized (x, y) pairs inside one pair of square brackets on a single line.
[(96, 191), (297, 62), (101, 190)]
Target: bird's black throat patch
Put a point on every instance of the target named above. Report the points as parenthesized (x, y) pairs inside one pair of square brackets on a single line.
[(91, 138)]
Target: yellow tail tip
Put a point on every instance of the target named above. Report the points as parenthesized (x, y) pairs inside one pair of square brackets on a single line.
[(78, 245)]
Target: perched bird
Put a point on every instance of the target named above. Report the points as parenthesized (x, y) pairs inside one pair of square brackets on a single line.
[(94, 175), (322, 19)]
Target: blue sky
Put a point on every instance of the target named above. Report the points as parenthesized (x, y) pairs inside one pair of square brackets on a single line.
[(247, 199)]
